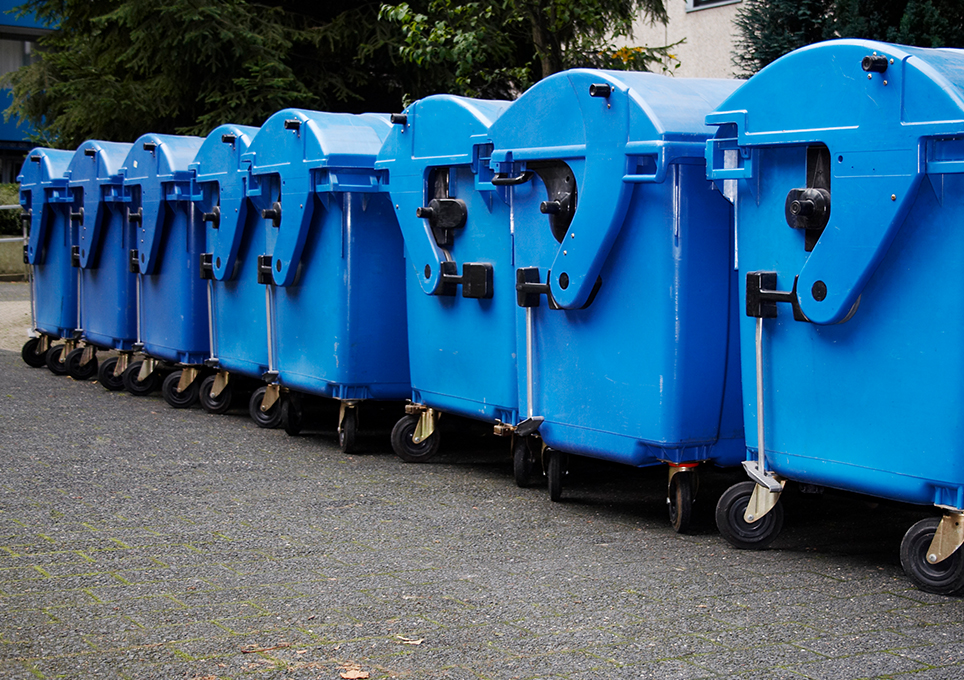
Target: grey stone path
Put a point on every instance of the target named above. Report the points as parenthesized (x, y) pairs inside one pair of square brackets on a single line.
[(137, 541)]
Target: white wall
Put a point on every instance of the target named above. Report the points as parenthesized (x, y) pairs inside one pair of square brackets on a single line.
[(709, 38)]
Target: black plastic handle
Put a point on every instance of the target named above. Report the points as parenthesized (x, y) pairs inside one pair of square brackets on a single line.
[(501, 180)]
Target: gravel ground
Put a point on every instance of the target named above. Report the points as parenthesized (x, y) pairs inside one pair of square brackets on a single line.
[(139, 541)]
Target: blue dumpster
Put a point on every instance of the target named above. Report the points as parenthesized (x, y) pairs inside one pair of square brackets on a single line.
[(625, 287), (234, 240), (458, 246), (172, 306), (47, 204), (848, 207), (108, 297), (332, 265)]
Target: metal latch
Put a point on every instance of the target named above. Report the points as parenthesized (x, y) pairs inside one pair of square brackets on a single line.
[(476, 280)]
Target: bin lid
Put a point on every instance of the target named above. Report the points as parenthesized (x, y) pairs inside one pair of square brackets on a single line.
[(622, 128), (43, 182), (888, 114), (93, 165), (437, 131), (158, 165), (314, 153), (221, 182)]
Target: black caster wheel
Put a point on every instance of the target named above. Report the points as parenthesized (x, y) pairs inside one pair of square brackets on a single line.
[(292, 414), (185, 399), (523, 460), (267, 419), (106, 377), (348, 430), (54, 363), (139, 387), (408, 450), (74, 368), (679, 502), (736, 530), (554, 473), (31, 356), (945, 577), (219, 404)]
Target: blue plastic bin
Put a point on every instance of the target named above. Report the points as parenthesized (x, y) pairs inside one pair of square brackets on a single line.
[(47, 204), (235, 238), (172, 297), (458, 247), (625, 288), (333, 266), (108, 288), (849, 205)]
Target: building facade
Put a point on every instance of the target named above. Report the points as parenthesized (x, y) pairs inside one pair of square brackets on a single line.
[(708, 30)]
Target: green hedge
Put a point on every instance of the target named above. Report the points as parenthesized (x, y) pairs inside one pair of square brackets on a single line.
[(10, 219)]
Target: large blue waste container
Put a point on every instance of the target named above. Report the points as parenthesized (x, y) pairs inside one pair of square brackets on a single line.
[(108, 294), (47, 204), (172, 306), (458, 247), (234, 240), (625, 287), (332, 265), (848, 163)]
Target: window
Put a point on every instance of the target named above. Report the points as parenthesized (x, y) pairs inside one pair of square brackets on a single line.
[(693, 5)]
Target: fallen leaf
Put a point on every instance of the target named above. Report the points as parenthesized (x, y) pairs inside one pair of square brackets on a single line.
[(354, 675), (410, 641), (280, 645)]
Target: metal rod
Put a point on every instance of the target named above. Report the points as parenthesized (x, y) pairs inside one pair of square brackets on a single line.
[(80, 297), (30, 281), (761, 457), (529, 409), (138, 307), (211, 334), (267, 306)]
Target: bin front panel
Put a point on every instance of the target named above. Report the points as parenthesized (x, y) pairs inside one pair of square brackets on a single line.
[(45, 195), (170, 240), (335, 256), (462, 349), (234, 239), (645, 369), (868, 404), (108, 298)]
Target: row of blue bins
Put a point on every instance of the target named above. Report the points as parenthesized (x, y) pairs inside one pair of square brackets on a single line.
[(582, 269)]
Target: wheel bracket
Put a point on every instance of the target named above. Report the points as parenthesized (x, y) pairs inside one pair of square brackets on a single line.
[(121, 365), (89, 351), (147, 367), (343, 408), (220, 382), (766, 479), (188, 376), (762, 501), (271, 395), (948, 537), (69, 346), (425, 427)]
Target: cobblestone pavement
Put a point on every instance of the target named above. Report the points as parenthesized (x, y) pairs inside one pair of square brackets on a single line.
[(139, 541)]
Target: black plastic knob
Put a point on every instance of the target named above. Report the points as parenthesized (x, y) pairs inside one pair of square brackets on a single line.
[(874, 62)]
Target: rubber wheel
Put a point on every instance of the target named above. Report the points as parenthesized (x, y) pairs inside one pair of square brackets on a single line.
[(943, 578), (74, 368), (106, 377), (523, 462), (30, 355), (53, 360), (268, 420), (139, 387), (185, 399), (292, 414), (408, 450), (679, 502), (554, 473), (736, 530), (219, 404), (348, 431)]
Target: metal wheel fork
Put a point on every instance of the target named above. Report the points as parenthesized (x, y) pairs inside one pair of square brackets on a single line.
[(768, 487), (948, 537)]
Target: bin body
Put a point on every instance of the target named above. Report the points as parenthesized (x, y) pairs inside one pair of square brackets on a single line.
[(461, 348), (634, 359), (333, 265), (234, 241), (108, 288), (861, 384), (173, 312), (44, 193)]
